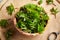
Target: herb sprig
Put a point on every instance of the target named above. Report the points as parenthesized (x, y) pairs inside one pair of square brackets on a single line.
[(3, 23), (40, 2), (54, 11), (9, 34), (10, 9), (49, 1)]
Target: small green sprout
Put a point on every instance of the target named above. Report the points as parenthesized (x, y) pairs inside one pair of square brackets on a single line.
[(54, 11), (49, 1), (3, 23), (40, 2), (9, 34), (10, 9)]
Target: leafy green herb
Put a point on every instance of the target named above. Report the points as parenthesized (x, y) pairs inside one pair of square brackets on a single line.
[(3, 23), (31, 18), (10, 9), (54, 11), (49, 1), (40, 28), (40, 2), (8, 34)]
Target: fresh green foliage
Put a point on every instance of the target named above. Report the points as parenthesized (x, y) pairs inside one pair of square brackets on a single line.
[(31, 18), (49, 1), (40, 2), (8, 34), (54, 11), (10, 9), (3, 23)]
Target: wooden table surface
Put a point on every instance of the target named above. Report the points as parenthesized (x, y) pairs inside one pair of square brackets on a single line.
[(52, 26)]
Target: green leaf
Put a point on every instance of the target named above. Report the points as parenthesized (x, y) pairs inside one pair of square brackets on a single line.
[(40, 2), (10, 9), (3, 23), (54, 11), (8, 34), (40, 28), (49, 1)]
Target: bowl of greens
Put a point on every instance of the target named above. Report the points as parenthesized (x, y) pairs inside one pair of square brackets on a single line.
[(31, 19)]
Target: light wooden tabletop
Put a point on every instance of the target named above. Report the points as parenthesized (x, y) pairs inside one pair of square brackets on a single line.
[(52, 26)]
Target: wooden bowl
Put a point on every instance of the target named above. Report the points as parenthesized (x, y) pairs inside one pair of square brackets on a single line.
[(22, 32), (25, 33)]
